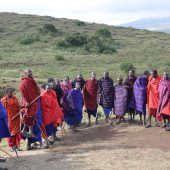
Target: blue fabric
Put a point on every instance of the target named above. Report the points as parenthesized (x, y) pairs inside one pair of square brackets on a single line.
[(74, 102), (92, 112), (107, 111), (36, 129), (49, 129), (4, 129)]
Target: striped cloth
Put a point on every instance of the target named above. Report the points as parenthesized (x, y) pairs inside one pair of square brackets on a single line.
[(140, 94), (120, 100), (105, 88)]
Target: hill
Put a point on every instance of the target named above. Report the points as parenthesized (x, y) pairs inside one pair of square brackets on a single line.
[(25, 42), (153, 24)]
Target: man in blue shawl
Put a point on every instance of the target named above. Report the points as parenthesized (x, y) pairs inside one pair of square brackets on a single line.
[(140, 94), (72, 106), (36, 130), (105, 95), (4, 129)]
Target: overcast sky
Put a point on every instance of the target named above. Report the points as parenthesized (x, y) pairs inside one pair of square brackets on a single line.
[(111, 12)]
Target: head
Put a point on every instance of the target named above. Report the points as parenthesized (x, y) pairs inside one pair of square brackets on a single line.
[(119, 81), (52, 81), (57, 82), (165, 76), (154, 73), (9, 92), (28, 73), (48, 87), (79, 76), (106, 74), (146, 74), (67, 79), (77, 86), (93, 75), (131, 72)]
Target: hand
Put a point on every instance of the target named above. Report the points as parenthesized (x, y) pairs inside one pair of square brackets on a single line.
[(27, 105)]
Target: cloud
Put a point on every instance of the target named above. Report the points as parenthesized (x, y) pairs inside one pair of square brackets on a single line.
[(100, 11)]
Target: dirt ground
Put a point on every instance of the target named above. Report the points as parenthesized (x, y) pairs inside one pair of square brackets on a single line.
[(102, 147)]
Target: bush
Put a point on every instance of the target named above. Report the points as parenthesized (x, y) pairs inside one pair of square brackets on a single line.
[(125, 67), (75, 40), (104, 32), (2, 29), (80, 23), (25, 40), (59, 58), (50, 29)]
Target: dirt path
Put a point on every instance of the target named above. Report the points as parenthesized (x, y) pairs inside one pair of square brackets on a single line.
[(102, 147)]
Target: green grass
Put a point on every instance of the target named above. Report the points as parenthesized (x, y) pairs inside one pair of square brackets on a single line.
[(146, 50)]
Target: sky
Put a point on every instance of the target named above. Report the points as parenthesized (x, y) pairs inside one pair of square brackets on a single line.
[(112, 12)]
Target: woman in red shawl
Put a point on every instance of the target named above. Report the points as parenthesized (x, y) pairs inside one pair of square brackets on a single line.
[(11, 105), (51, 111)]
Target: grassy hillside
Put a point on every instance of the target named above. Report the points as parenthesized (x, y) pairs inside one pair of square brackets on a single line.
[(144, 49)]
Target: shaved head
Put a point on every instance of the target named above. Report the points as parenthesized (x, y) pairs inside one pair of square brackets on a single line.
[(28, 73)]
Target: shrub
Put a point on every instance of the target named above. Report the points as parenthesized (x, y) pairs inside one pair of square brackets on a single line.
[(2, 29), (125, 67), (50, 29), (59, 58), (25, 40), (80, 23), (104, 32)]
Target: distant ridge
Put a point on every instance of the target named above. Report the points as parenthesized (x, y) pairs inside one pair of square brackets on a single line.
[(153, 24)]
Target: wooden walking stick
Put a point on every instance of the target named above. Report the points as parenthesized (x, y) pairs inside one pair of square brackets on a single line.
[(30, 104)]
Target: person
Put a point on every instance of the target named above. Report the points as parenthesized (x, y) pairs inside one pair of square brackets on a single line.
[(29, 91), (90, 97), (39, 131), (57, 88), (153, 96), (79, 79), (120, 100), (11, 104), (72, 107), (140, 94), (129, 83), (105, 95), (4, 129), (163, 110), (51, 111), (66, 85)]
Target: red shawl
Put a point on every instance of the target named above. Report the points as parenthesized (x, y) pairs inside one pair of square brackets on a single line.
[(90, 94), (12, 107), (51, 111)]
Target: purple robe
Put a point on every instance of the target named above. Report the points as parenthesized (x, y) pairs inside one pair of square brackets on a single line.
[(140, 94), (120, 100)]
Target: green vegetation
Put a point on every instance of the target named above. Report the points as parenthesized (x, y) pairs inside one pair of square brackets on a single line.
[(144, 49), (126, 67), (59, 57), (25, 40)]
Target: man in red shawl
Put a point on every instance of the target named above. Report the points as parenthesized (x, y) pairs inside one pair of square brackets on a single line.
[(153, 96), (51, 111), (66, 85), (29, 91), (90, 97), (11, 105), (164, 100)]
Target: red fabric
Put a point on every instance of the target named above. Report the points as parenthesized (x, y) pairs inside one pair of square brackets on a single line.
[(51, 111), (14, 140), (29, 121), (153, 93), (29, 91), (152, 112), (12, 107), (90, 94), (66, 87)]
